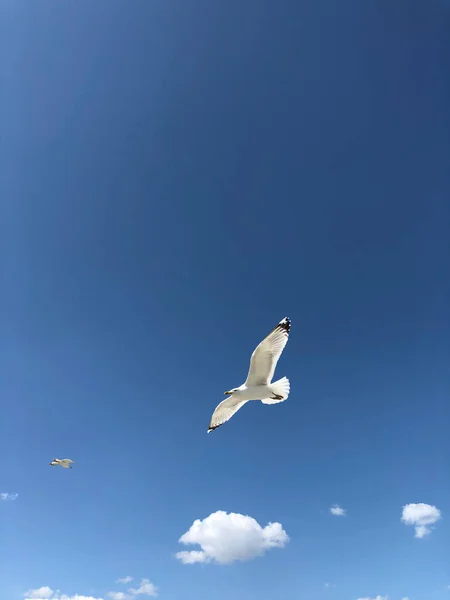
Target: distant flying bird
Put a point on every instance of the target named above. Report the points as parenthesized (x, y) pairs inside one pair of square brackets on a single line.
[(258, 385), (61, 462)]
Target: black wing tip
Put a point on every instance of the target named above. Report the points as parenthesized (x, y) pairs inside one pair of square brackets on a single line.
[(285, 324), (212, 427)]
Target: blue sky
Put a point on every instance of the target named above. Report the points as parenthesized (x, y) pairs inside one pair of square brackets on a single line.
[(178, 176)]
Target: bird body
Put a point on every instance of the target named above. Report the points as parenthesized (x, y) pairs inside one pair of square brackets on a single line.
[(258, 392), (258, 385), (61, 462)]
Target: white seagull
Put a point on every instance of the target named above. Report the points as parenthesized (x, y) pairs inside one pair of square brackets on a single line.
[(61, 462), (258, 385)]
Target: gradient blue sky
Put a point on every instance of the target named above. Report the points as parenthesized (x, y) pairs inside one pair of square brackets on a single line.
[(177, 176)]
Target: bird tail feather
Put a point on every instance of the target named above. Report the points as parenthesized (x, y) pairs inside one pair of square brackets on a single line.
[(279, 388)]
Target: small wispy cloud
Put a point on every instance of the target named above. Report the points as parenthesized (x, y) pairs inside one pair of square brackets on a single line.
[(338, 511), (329, 586), (8, 496), (146, 588), (42, 592), (46, 593), (225, 538), (422, 516), (374, 598)]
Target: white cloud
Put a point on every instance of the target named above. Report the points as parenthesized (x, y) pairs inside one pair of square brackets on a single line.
[(338, 510), (421, 516), (329, 586), (225, 538), (374, 598), (146, 588), (405, 598), (46, 593), (42, 592), (126, 579), (8, 496), (76, 597)]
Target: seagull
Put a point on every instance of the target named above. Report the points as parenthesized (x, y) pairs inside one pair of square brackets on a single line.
[(258, 385), (61, 462)]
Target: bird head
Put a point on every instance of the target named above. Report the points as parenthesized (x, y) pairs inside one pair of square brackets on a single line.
[(231, 392)]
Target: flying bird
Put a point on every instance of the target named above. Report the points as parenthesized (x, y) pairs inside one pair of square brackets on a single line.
[(61, 462), (258, 385)]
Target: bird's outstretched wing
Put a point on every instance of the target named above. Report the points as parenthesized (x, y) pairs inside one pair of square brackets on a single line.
[(224, 411), (265, 356)]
